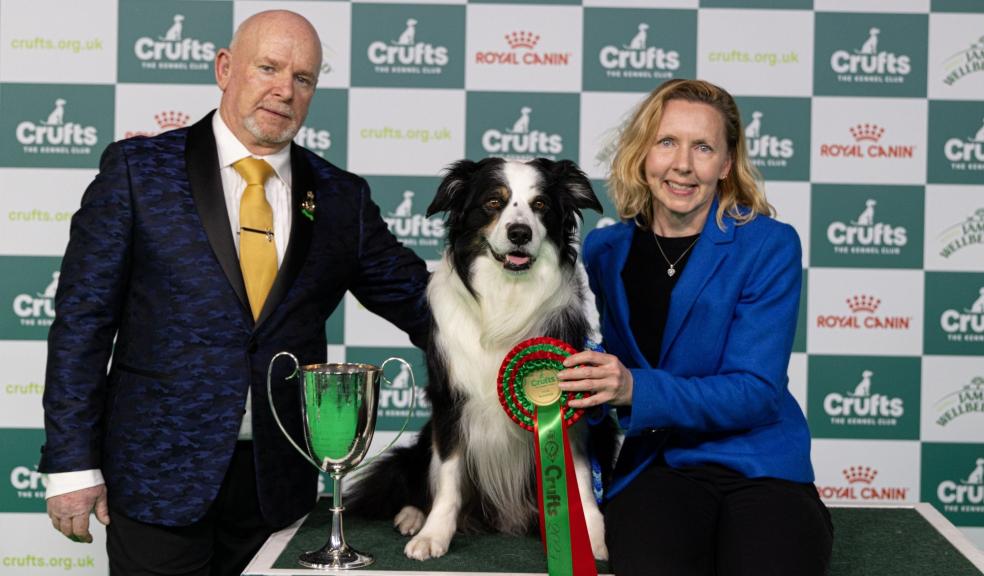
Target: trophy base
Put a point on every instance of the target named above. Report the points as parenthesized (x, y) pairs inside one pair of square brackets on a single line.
[(344, 558)]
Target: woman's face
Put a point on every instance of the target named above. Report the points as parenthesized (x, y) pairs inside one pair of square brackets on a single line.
[(683, 166)]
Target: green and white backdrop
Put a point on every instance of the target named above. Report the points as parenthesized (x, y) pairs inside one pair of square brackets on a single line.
[(866, 118)]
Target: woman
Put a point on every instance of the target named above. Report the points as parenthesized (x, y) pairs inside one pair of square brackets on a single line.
[(698, 289)]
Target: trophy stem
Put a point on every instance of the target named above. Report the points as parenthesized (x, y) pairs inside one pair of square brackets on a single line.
[(336, 554)]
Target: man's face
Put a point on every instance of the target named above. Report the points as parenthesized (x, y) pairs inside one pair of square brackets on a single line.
[(268, 81)]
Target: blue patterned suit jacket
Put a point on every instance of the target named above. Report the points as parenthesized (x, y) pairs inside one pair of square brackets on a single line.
[(152, 263), (719, 394)]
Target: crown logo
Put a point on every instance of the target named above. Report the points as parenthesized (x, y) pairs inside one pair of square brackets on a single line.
[(871, 132), (863, 474), (863, 303), (171, 119), (522, 39)]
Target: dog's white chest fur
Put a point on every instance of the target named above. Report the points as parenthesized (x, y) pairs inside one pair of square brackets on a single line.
[(475, 336)]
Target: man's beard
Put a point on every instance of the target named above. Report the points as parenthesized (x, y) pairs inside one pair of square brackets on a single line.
[(270, 137)]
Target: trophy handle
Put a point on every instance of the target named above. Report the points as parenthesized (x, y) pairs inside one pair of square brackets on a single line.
[(273, 409), (406, 422)]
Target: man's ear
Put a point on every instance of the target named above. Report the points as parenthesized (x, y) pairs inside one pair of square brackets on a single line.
[(223, 68)]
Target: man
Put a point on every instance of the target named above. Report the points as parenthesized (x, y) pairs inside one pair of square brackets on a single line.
[(203, 262)]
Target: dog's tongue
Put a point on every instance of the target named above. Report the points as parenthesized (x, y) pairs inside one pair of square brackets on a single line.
[(517, 259)]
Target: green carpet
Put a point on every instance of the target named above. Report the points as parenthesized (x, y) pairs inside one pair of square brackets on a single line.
[(867, 542)]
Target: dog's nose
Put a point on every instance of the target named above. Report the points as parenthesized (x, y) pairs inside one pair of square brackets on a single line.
[(519, 234)]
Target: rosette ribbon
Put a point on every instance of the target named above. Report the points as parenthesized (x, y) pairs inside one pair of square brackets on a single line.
[(529, 394)]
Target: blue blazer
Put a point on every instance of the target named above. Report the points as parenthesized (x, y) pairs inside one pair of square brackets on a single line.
[(152, 263), (721, 384)]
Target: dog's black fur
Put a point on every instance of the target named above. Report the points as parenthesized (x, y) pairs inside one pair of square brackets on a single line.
[(478, 198)]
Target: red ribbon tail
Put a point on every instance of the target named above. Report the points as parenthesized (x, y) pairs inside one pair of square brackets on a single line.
[(583, 559)]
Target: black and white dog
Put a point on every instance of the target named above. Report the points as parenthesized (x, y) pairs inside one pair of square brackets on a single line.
[(510, 272)]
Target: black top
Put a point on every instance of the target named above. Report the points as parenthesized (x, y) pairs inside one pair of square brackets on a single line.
[(648, 286)]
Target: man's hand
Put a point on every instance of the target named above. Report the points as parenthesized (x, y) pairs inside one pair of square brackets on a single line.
[(69, 512)]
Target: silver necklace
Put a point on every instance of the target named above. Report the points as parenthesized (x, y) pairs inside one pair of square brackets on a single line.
[(672, 269)]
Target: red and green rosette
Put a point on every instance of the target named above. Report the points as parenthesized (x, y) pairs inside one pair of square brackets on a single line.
[(530, 395)]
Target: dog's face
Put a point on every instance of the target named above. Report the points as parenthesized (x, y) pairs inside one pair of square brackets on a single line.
[(507, 210)]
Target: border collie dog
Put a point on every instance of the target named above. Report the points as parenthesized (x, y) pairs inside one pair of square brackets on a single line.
[(509, 272)]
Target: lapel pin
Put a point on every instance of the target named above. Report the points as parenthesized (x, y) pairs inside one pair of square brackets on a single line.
[(307, 207)]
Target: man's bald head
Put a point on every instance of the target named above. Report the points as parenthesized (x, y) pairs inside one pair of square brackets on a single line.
[(272, 20), (268, 76)]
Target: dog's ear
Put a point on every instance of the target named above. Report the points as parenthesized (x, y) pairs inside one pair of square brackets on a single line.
[(566, 175), (455, 179)]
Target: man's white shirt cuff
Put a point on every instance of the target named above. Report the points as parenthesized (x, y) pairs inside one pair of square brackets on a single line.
[(64, 482)]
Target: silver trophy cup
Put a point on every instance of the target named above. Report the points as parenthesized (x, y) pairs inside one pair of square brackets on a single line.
[(339, 404)]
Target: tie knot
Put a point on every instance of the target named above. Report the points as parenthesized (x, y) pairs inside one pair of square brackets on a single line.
[(253, 170)]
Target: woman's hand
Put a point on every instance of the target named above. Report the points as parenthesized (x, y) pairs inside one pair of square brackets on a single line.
[(602, 376)]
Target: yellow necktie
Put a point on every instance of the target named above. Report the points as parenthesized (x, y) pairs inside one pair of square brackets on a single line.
[(257, 252)]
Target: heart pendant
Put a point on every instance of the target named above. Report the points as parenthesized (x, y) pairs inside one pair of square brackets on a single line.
[(670, 272)]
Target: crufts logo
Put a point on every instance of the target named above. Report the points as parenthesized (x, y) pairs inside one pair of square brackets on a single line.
[(863, 317), (165, 120), (860, 487), (522, 52), (27, 483), (859, 407), (965, 495), (519, 142), (964, 62), (865, 235), (966, 325), (967, 400), (765, 149), (869, 64), (969, 232), (37, 309), (413, 228), (638, 59), (866, 144), (966, 153), (54, 135), (407, 56), (173, 50)]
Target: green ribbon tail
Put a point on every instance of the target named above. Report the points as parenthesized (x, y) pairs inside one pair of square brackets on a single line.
[(554, 512)]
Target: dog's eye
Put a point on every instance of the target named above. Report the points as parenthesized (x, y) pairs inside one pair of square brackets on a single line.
[(493, 204), (539, 205)]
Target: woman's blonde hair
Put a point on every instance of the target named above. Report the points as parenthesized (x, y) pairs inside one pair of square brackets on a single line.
[(740, 195)]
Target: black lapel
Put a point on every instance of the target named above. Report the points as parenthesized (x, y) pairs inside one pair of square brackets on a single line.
[(202, 160), (301, 226)]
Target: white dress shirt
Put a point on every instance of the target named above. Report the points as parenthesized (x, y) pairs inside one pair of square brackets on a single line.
[(230, 150)]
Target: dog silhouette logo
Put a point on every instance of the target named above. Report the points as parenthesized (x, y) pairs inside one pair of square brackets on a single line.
[(863, 389), (638, 41), (977, 476), (405, 208), (49, 292), (867, 217), (870, 45), (978, 306), (979, 137), (754, 128), (57, 116), (522, 125), (402, 380), (407, 37), (173, 33)]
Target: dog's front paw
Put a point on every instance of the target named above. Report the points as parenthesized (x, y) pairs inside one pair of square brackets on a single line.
[(423, 547), (596, 533), (599, 550), (409, 521)]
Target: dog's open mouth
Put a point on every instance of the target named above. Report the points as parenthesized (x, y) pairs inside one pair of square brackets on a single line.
[(515, 261)]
